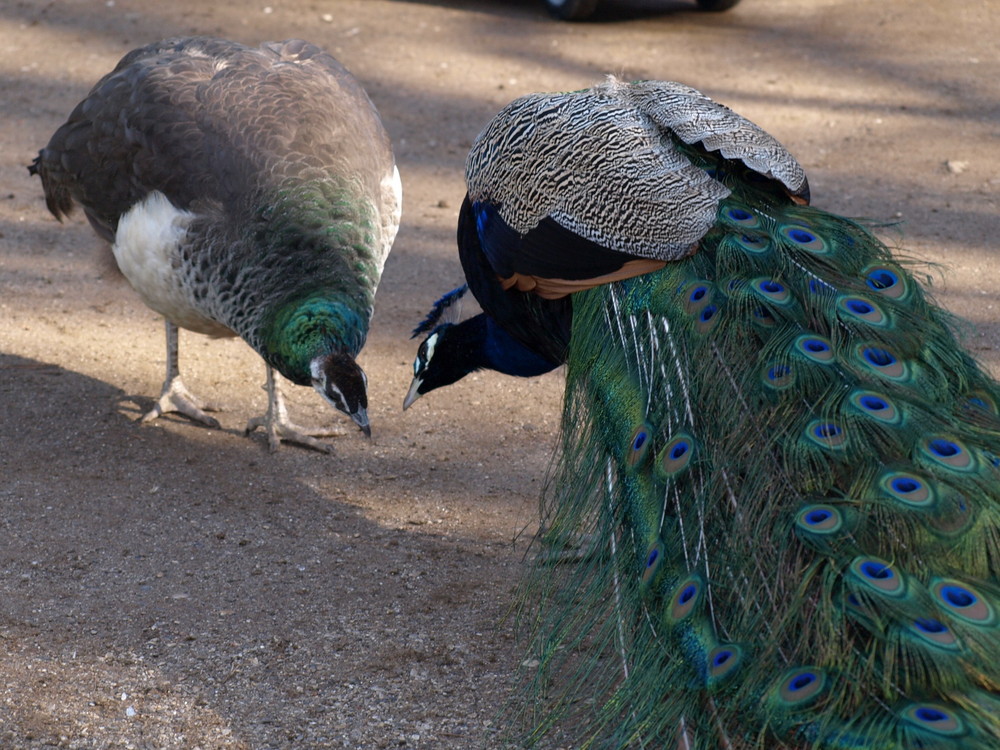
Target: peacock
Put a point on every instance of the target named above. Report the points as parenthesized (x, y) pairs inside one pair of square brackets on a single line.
[(245, 191), (773, 518)]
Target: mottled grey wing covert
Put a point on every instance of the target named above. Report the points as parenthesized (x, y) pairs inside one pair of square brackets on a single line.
[(202, 119), (604, 164)]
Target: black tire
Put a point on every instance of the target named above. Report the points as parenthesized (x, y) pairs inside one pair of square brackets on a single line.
[(716, 6), (572, 10)]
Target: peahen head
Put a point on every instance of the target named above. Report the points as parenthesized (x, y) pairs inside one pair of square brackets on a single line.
[(313, 341), (439, 362), (339, 380)]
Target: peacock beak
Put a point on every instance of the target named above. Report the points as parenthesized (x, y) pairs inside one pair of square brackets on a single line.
[(413, 394)]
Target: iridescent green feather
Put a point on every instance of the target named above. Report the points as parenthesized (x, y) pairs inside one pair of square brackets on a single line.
[(783, 467)]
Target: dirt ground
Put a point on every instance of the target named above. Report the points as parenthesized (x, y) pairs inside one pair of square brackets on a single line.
[(171, 586)]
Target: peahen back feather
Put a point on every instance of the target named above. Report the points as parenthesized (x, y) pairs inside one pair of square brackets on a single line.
[(781, 469)]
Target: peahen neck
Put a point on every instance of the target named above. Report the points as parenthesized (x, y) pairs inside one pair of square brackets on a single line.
[(304, 329), (320, 287)]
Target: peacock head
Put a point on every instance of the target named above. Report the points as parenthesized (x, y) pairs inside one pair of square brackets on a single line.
[(434, 366), (339, 380)]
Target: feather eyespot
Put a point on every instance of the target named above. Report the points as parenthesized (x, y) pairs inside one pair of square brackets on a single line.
[(653, 564), (827, 434), (771, 287), (878, 576), (697, 296), (860, 309), (947, 452), (879, 357), (772, 291), (675, 456), (742, 217), (983, 401), (819, 519), (934, 718), (908, 489), (882, 279), (804, 238), (753, 244), (928, 625), (779, 376), (815, 348), (723, 661), (801, 686), (963, 602), (816, 517), (883, 361), (876, 570), (886, 281), (638, 445), (958, 597), (934, 632), (685, 599), (707, 319), (876, 406), (801, 681)]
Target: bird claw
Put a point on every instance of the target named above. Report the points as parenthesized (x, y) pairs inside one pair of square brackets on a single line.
[(176, 398), (279, 429)]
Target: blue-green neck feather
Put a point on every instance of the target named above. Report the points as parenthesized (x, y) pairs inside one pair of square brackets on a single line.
[(304, 329), (318, 250)]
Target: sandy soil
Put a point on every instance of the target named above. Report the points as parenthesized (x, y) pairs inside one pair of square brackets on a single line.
[(170, 586)]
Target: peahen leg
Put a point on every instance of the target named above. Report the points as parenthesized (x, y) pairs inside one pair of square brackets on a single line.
[(279, 427), (175, 397)]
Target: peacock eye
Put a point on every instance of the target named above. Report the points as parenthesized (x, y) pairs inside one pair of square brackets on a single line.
[(427, 348), (420, 363)]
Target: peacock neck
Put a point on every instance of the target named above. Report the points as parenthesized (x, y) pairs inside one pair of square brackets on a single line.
[(310, 327), (481, 343)]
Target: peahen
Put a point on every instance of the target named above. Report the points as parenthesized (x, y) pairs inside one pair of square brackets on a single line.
[(774, 517), (246, 191)]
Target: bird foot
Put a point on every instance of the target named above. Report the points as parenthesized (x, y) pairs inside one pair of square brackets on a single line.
[(175, 397), (279, 427), (283, 429)]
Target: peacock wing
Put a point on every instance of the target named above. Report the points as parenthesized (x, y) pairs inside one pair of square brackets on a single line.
[(541, 176)]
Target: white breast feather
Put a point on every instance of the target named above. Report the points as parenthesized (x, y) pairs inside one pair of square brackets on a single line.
[(391, 212), (147, 250)]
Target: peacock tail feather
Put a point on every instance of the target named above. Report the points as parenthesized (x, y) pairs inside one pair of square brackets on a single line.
[(780, 471)]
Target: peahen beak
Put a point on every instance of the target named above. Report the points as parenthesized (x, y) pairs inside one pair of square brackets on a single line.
[(360, 418), (413, 394)]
